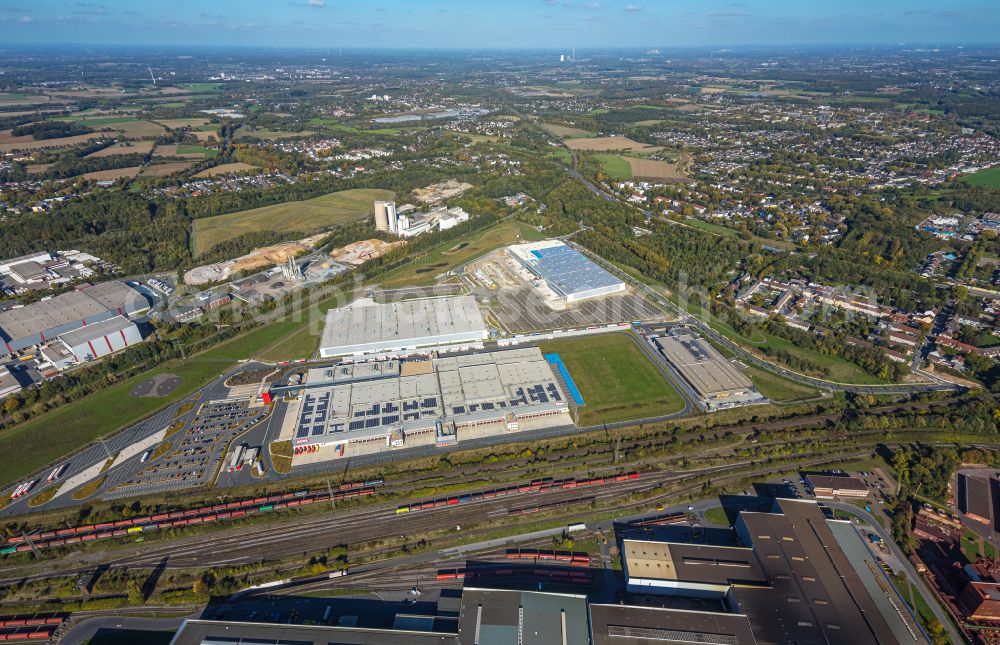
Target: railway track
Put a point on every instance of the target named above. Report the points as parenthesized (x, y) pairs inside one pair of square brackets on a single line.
[(363, 526), (259, 543)]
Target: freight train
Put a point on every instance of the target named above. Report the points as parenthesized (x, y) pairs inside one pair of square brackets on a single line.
[(203, 514), (535, 486)]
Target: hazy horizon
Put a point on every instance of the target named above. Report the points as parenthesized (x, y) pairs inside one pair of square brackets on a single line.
[(513, 25)]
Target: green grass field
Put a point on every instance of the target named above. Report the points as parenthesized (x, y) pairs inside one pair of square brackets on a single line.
[(989, 178), (615, 167), (331, 124), (717, 515), (563, 155), (444, 257), (32, 445), (840, 370), (306, 216), (201, 150), (778, 389), (725, 231), (616, 380), (201, 88), (300, 344), (98, 122)]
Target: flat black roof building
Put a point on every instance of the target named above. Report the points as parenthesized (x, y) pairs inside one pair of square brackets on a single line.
[(816, 594), (215, 632), (628, 625)]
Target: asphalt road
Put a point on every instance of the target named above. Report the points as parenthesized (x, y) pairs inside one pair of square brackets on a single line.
[(98, 453)]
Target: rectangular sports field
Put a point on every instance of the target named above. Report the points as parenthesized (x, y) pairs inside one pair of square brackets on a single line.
[(616, 380), (304, 217)]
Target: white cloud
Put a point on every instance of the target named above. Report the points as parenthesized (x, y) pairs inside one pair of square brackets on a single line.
[(317, 3), (25, 19), (632, 8)]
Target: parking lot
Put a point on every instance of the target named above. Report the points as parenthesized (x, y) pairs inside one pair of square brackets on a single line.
[(521, 310), (196, 451)]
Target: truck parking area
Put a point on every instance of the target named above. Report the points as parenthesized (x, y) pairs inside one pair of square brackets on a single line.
[(198, 449)]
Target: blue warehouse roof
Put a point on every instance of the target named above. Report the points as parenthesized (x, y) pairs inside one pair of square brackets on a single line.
[(569, 272)]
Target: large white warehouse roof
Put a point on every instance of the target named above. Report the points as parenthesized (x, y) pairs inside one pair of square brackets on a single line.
[(366, 327)]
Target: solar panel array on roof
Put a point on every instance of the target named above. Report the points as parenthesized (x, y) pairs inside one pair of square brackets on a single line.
[(473, 387)]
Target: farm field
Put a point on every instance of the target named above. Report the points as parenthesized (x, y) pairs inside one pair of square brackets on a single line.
[(130, 126), (166, 169), (989, 178), (653, 169), (615, 378), (609, 144), (272, 135), (422, 270), (186, 151), (614, 166), (16, 98), (174, 124), (306, 216), (139, 129), (117, 173), (225, 168), (124, 148), (81, 422), (18, 143), (565, 131)]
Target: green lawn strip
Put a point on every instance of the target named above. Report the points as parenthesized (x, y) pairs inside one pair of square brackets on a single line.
[(41, 441), (970, 546), (614, 166), (717, 515), (989, 178), (616, 380), (779, 389), (718, 229), (299, 344), (423, 269), (530, 234), (914, 598), (201, 150)]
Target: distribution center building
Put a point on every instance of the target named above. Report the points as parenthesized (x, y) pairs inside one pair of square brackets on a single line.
[(565, 270), (374, 406), (365, 327), (715, 382), (101, 338), (43, 321)]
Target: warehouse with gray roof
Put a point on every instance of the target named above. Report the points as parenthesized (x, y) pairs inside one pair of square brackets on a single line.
[(365, 327), (43, 321), (714, 381)]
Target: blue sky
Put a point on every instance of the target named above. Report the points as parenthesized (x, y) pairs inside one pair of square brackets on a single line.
[(499, 23)]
